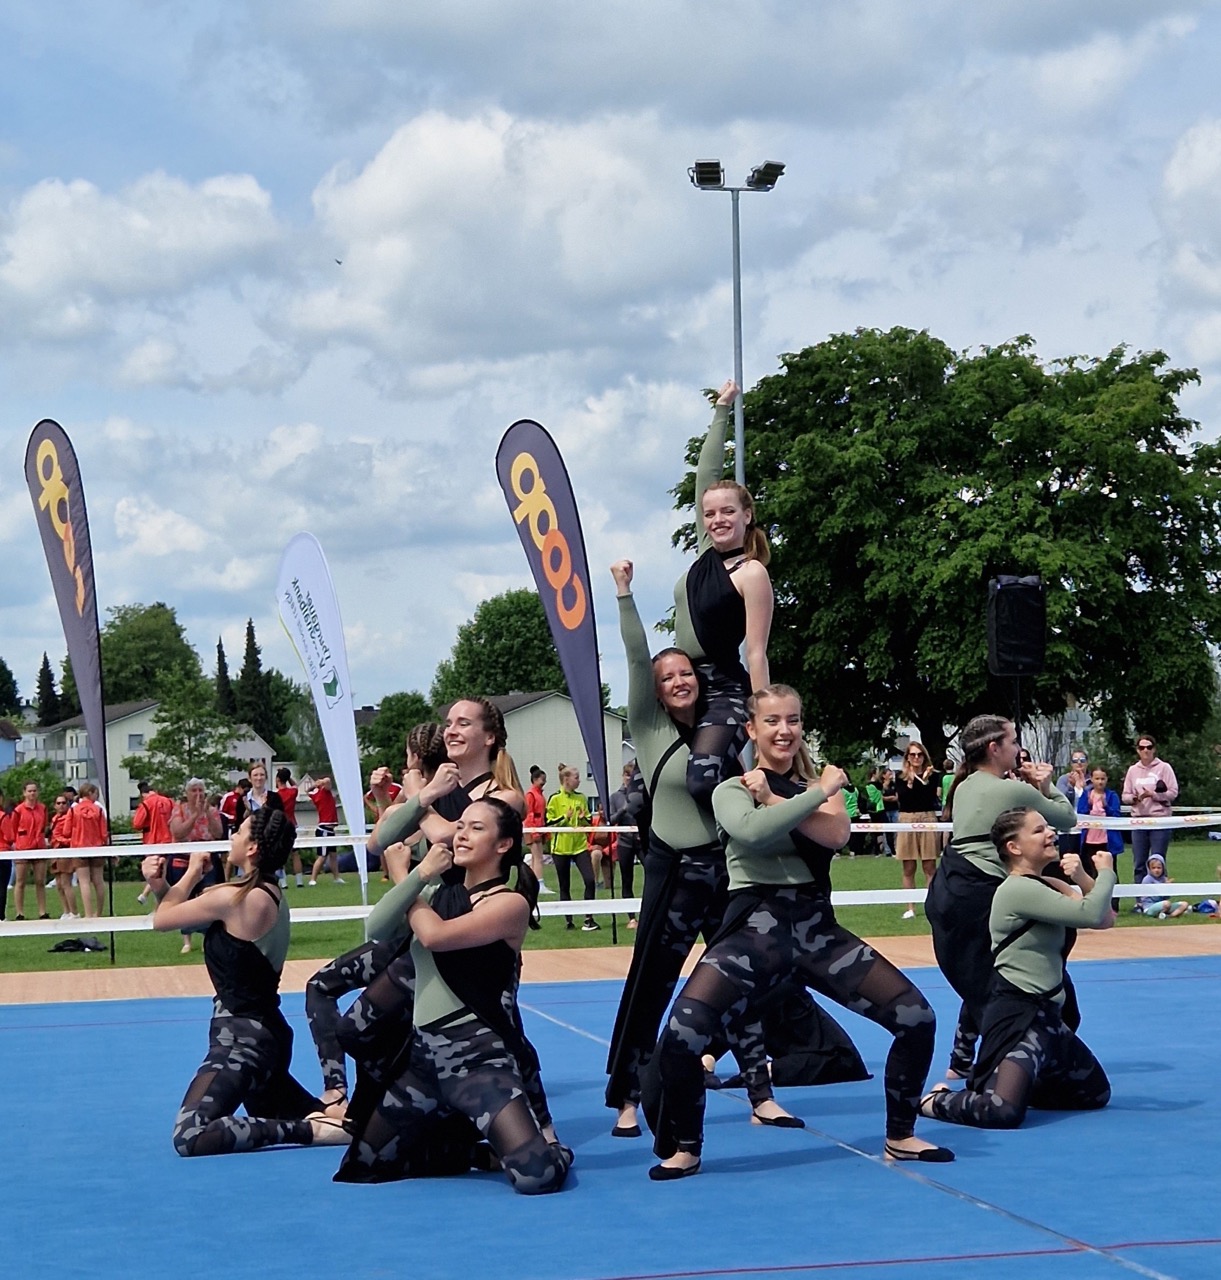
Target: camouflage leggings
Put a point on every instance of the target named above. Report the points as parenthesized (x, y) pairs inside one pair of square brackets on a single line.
[(461, 1084), (246, 1064), (719, 736), (789, 932), (366, 1021), (377, 1027), (1048, 1069), (680, 903)]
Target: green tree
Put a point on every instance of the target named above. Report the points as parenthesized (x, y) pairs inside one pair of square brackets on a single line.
[(897, 477), (50, 783), (226, 701), (192, 739), (384, 739), (253, 701), (50, 708), (141, 645), (304, 744), (69, 699), (505, 648), (10, 699), (287, 700)]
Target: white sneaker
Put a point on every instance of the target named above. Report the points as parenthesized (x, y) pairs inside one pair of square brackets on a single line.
[(69, 915), (312, 883), (909, 914), (339, 880), (544, 889)]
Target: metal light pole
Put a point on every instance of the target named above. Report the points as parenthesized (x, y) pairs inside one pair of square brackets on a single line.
[(709, 175)]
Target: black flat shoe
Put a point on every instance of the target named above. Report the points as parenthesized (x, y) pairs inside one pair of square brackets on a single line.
[(779, 1122), (626, 1131), (930, 1155), (667, 1173)]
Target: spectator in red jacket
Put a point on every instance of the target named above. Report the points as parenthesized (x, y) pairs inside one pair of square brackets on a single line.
[(87, 828), (286, 789), (536, 817), (322, 797), (6, 844), (61, 868), (28, 831)]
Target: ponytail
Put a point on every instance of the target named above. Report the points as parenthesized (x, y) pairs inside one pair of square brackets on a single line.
[(754, 542)]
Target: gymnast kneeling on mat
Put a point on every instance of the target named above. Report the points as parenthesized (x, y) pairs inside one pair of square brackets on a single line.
[(249, 1042), (1029, 1057), (460, 1078)]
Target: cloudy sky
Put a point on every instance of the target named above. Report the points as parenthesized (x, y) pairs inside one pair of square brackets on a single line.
[(282, 267)]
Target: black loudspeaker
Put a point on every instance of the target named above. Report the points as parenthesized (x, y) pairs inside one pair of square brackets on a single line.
[(1017, 625)]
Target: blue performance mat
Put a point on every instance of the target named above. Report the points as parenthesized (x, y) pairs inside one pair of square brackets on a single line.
[(93, 1188)]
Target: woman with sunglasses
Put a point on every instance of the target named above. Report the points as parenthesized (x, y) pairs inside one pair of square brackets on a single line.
[(1151, 788), (1073, 785), (917, 787)]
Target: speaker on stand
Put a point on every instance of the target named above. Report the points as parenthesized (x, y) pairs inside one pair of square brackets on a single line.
[(1017, 631)]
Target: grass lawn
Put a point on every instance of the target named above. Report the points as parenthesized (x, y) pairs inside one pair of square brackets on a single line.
[(1192, 860)]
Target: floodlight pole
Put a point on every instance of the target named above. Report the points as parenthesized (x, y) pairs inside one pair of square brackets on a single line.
[(709, 175), (739, 421)]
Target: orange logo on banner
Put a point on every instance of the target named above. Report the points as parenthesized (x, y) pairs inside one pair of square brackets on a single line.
[(535, 506), (54, 499)]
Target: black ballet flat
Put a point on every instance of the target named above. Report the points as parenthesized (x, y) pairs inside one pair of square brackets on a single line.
[(666, 1173), (626, 1131), (779, 1122), (930, 1155)]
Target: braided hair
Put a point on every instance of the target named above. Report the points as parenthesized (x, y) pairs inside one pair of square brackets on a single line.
[(978, 735), (273, 836), (504, 771), (427, 742)]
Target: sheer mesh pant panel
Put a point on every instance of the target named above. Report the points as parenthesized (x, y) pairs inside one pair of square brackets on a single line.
[(1049, 1069), (350, 972), (243, 1059)]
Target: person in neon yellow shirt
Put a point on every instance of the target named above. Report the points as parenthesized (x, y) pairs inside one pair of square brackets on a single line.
[(569, 808)]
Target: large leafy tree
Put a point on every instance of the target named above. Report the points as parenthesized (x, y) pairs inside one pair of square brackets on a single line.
[(192, 739), (505, 648), (383, 740), (897, 477), (141, 645)]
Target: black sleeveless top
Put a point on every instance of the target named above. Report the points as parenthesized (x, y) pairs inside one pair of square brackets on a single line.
[(816, 856), (246, 983), (452, 806), (718, 613), (480, 977)]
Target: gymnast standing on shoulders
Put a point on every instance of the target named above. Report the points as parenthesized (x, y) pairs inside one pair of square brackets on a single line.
[(724, 600)]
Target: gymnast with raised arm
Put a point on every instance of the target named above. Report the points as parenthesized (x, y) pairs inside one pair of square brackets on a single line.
[(249, 1041), (722, 601)]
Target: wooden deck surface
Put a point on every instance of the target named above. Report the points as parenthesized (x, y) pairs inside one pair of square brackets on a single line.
[(561, 966)]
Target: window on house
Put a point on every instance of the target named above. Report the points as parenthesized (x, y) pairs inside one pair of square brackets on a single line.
[(135, 742)]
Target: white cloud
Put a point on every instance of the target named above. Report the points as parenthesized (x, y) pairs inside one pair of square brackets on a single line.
[(153, 530)]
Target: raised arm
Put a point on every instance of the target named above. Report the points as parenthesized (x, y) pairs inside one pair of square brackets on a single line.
[(1031, 900), (642, 705), (711, 464)]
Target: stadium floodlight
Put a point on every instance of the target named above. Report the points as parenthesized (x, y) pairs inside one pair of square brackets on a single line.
[(709, 175), (763, 177)]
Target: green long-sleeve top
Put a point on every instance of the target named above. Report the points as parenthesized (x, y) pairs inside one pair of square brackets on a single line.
[(759, 845), (388, 921), (677, 819), (982, 797), (708, 470), (1034, 962)]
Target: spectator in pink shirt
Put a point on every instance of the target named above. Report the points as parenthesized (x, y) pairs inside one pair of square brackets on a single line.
[(1151, 788)]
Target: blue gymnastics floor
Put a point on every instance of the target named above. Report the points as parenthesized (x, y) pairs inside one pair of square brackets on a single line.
[(91, 1186)]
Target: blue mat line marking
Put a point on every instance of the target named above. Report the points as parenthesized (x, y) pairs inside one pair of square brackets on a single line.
[(1068, 1245)]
